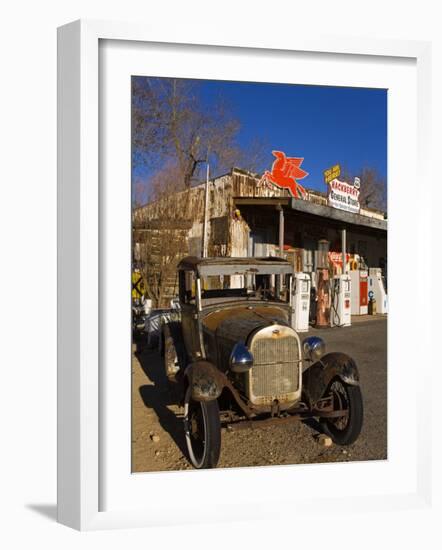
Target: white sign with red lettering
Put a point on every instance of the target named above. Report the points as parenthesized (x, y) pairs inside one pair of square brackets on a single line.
[(336, 257), (344, 196)]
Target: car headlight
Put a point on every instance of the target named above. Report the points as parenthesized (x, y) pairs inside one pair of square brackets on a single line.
[(241, 360), (314, 347)]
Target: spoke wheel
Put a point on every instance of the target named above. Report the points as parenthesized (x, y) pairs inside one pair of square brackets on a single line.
[(344, 429), (203, 431)]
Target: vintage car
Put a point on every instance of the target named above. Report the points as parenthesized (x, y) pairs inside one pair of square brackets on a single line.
[(236, 361)]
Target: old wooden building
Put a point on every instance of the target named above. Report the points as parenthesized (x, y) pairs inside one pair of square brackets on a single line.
[(247, 217)]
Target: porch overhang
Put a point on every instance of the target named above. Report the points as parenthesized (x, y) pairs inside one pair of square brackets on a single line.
[(337, 215)]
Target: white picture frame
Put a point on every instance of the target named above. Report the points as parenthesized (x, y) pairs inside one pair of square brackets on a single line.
[(80, 445)]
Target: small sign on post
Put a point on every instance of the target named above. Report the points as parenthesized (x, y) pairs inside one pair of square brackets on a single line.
[(332, 173)]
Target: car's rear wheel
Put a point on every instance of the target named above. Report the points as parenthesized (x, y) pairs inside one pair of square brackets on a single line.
[(345, 429), (202, 429)]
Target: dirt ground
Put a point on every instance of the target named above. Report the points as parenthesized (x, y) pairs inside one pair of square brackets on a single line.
[(158, 436)]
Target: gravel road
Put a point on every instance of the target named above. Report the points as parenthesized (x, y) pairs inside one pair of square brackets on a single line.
[(157, 432)]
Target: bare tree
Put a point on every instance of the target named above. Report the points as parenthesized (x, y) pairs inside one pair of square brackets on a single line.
[(171, 122), (138, 193), (173, 134), (165, 182), (161, 249), (373, 187), (255, 157)]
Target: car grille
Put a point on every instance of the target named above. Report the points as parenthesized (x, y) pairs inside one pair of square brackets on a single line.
[(275, 371)]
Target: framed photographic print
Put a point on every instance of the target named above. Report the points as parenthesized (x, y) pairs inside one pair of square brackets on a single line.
[(233, 220)]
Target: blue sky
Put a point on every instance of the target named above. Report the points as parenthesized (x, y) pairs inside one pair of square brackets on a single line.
[(325, 125)]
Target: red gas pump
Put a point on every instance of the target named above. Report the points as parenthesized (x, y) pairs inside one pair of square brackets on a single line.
[(359, 292)]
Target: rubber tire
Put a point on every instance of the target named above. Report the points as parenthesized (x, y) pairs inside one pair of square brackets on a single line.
[(212, 423), (351, 432)]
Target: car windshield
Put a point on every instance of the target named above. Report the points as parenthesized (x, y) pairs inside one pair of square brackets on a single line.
[(244, 287)]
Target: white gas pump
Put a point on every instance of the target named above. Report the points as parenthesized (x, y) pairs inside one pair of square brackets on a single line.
[(301, 302), (376, 289), (359, 292), (340, 314)]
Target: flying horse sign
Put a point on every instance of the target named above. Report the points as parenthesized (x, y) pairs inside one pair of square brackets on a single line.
[(285, 173)]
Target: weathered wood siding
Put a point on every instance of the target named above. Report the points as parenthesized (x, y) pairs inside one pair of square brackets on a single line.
[(239, 238), (180, 217), (248, 185)]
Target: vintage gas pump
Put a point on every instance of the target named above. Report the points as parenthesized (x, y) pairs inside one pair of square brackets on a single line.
[(301, 302), (322, 286), (340, 315), (376, 289), (359, 292)]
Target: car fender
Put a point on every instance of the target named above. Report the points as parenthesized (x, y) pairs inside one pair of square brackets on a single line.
[(205, 380), (318, 376)]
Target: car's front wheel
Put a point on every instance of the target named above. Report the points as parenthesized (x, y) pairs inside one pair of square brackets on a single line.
[(347, 398), (202, 429)]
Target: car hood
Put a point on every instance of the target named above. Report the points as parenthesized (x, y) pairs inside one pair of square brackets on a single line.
[(236, 323)]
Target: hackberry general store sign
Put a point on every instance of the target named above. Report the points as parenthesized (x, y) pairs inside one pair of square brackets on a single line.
[(344, 196)]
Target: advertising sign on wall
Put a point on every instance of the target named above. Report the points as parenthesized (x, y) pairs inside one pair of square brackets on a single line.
[(336, 258), (344, 196)]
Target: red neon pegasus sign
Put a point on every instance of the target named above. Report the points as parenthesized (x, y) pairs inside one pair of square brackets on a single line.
[(285, 173)]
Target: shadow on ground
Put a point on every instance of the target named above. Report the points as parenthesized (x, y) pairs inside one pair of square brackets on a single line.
[(160, 396)]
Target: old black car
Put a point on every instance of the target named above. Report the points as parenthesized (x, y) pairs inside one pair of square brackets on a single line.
[(236, 360)]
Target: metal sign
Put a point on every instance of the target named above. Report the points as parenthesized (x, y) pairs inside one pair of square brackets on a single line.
[(285, 173), (357, 182), (336, 257), (343, 196), (332, 173), (137, 285)]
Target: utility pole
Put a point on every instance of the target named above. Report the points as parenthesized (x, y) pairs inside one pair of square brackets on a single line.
[(279, 282), (206, 211), (344, 249), (281, 231)]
